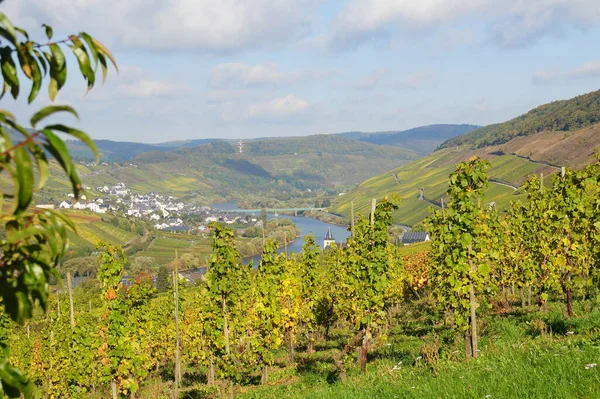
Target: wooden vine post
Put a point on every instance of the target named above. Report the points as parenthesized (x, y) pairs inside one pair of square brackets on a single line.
[(177, 332), (473, 306), (70, 288), (352, 217)]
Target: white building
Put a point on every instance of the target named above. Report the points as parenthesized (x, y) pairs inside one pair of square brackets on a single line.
[(329, 240)]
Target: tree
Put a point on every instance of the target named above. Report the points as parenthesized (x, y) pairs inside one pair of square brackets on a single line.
[(163, 279), (36, 239), (268, 307), (308, 264), (459, 268), (366, 265), (142, 264), (228, 280), (263, 217)]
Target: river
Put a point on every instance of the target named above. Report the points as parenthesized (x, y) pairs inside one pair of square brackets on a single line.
[(306, 226)]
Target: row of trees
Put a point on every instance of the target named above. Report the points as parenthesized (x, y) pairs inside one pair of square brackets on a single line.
[(547, 245)]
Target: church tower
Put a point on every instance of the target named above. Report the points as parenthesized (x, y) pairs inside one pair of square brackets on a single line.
[(329, 240)]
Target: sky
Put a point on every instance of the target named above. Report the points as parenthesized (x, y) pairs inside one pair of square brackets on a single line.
[(260, 68)]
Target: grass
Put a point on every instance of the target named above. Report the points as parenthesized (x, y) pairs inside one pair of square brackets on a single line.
[(538, 371), (515, 361)]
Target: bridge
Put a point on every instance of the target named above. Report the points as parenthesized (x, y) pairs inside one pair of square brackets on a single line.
[(277, 210)]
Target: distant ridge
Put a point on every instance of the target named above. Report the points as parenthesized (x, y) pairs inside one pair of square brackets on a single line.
[(423, 139)]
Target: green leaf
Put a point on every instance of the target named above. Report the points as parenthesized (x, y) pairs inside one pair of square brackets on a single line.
[(42, 61), (25, 179), (9, 71), (23, 32), (8, 27), (58, 70), (4, 89), (36, 81), (59, 150), (84, 61), (104, 50), (52, 88), (6, 114), (25, 61), (41, 162), (50, 110), (79, 135), (103, 65), (6, 35), (49, 31), (92, 46)]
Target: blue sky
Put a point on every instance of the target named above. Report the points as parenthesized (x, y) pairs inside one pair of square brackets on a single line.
[(255, 68)]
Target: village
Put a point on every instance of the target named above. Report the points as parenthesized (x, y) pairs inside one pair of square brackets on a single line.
[(164, 212)]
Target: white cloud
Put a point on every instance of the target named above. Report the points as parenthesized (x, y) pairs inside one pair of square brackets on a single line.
[(508, 22), (133, 82), (237, 74), (223, 25), (587, 70), (277, 108)]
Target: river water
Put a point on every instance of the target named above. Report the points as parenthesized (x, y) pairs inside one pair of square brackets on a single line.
[(306, 226)]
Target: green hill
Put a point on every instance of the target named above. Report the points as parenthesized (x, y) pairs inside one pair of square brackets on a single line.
[(519, 154), (422, 140), (272, 168), (118, 151), (563, 116)]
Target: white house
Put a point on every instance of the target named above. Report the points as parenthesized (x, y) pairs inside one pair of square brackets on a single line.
[(65, 205), (79, 205), (45, 206), (93, 207)]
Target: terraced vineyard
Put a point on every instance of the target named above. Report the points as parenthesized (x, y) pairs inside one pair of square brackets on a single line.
[(431, 174)]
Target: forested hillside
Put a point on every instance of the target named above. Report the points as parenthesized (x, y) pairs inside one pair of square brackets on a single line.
[(563, 116)]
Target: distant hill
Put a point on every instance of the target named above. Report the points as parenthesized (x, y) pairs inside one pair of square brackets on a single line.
[(562, 116), (423, 140), (118, 151), (282, 168), (514, 155), (300, 161)]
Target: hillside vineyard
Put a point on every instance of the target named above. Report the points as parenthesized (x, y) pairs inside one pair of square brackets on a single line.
[(441, 261)]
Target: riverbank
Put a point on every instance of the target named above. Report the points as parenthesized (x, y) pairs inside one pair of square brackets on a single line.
[(306, 225), (325, 217), (283, 231)]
